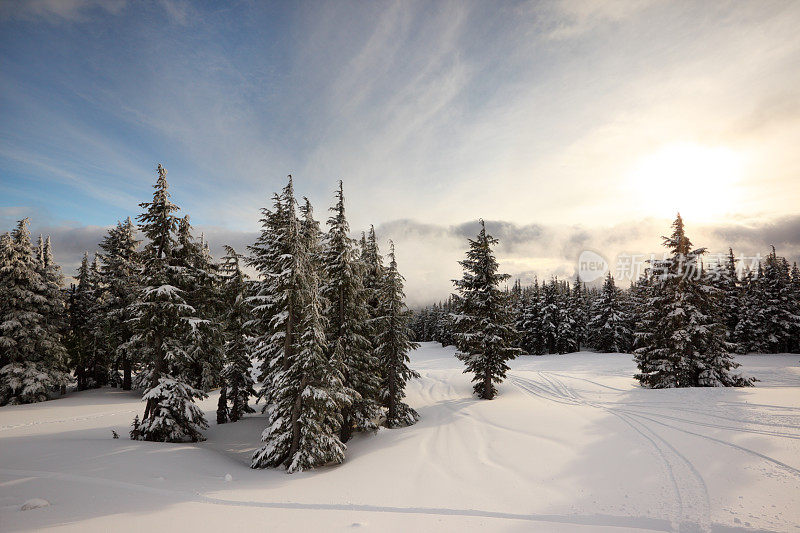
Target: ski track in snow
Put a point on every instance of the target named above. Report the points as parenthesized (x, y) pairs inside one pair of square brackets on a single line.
[(686, 482), (65, 420)]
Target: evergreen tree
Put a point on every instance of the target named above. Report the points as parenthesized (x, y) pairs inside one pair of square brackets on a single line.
[(779, 318), (609, 324), (683, 345), (305, 389), (197, 276), (347, 316), (31, 353), (794, 342), (163, 326), (272, 298), (550, 316), (80, 341), (237, 379), (727, 281), (120, 275), (531, 330), (393, 342), (749, 334), (578, 310), (568, 327), (485, 333)]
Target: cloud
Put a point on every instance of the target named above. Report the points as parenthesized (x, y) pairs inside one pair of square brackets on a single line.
[(428, 254), (58, 10), (574, 18)]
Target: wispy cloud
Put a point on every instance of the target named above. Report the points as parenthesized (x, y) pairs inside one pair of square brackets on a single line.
[(58, 10)]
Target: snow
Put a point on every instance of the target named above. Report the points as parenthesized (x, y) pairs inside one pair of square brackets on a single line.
[(34, 503), (570, 444)]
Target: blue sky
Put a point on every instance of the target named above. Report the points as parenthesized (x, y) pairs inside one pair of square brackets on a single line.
[(583, 119)]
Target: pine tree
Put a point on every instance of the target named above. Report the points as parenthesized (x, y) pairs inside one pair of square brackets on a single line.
[(794, 343), (713, 364), (80, 341), (197, 276), (532, 338), (485, 333), (609, 324), (272, 299), (749, 334), (779, 318), (727, 281), (683, 345), (567, 335), (31, 353), (305, 390), (578, 310), (347, 317), (120, 276), (237, 378), (550, 316), (163, 326), (393, 342)]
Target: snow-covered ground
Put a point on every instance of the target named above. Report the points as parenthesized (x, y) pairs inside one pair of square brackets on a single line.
[(571, 444)]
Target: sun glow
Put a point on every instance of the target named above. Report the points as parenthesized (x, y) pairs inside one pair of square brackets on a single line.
[(699, 181)]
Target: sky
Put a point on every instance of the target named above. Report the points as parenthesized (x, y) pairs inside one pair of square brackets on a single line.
[(567, 126)]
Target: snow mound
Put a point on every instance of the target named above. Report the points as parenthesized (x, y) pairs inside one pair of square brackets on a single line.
[(228, 478), (34, 503)]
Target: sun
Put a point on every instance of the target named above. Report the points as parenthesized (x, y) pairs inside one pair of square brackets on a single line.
[(700, 182)]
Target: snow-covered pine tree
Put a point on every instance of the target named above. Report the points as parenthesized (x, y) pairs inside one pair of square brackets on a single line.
[(578, 309), (236, 375), (32, 356), (684, 346), (713, 364), (80, 341), (273, 312), (305, 390), (550, 315), (347, 317), (197, 276), (532, 339), (162, 326), (566, 341), (794, 343), (484, 329), (53, 309), (609, 326), (749, 334), (373, 272), (120, 274), (779, 318), (639, 295), (393, 342), (727, 281)]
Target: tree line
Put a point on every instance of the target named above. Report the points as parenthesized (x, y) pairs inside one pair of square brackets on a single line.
[(682, 319), (321, 334)]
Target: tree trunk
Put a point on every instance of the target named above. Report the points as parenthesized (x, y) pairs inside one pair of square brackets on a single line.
[(222, 406), (391, 417), (152, 404), (487, 385), (298, 404), (346, 430), (126, 373), (235, 407), (287, 341)]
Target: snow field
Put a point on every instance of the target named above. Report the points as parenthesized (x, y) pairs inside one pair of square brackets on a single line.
[(571, 444)]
